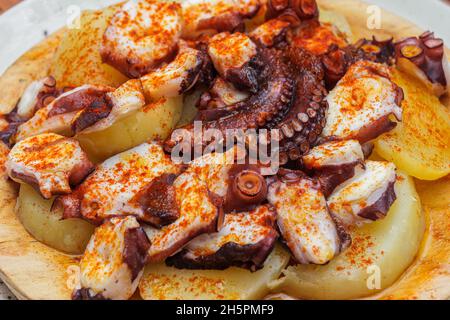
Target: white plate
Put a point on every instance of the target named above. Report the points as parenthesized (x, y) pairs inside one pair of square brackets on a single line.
[(28, 23)]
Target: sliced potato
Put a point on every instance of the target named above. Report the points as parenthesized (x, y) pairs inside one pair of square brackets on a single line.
[(77, 60), (70, 236), (385, 248), (154, 121), (167, 283), (420, 145)]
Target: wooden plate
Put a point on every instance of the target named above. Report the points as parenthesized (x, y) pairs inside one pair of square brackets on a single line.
[(34, 271)]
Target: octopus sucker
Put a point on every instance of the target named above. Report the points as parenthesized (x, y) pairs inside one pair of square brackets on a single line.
[(425, 58), (304, 9)]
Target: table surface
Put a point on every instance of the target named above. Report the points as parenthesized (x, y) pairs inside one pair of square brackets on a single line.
[(5, 294)]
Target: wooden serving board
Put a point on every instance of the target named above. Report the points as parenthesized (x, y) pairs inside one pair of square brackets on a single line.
[(34, 271)]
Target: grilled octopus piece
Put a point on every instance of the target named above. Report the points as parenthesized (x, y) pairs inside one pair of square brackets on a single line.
[(425, 58), (113, 262), (245, 240), (305, 223), (132, 42), (48, 162), (231, 55), (177, 77), (361, 104), (367, 196), (338, 59), (334, 162), (302, 125), (199, 212), (118, 186), (212, 16)]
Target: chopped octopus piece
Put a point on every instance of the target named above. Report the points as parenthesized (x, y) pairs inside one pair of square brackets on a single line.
[(177, 77), (211, 16), (48, 162), (334, 162), (129, 97), (362, 102), (60, 115), (226, 93), (304, 220), (231, 55), (366, 197), (245, 240), (424, 57), (240, 186), (142, 35), (38, 94), (115, 187), (113, 262), (270, 33), (199, 212)]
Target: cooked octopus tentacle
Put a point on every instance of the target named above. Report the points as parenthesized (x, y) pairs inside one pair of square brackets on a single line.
[(126, 99), (232, 56), (245, 240), (222, 94), (334, 162), (59, 115), (304, 220), (177, 77), (304, 9), (113, 262), (199, 212), (304, 121), (273, 32), (240, 186), (49, 162), (114, 187), (367, 196), (275, 95), (142, 35), (212, 16), (38, 94), (425, 58), (361, 104)]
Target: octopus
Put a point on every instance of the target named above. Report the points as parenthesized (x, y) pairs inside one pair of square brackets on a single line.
[(362, 102), (245, 240), (333, 163), (304, 220), (425, 58), (113, 262), (142, 35), (117, 186), (367, 196), (51, 163)]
